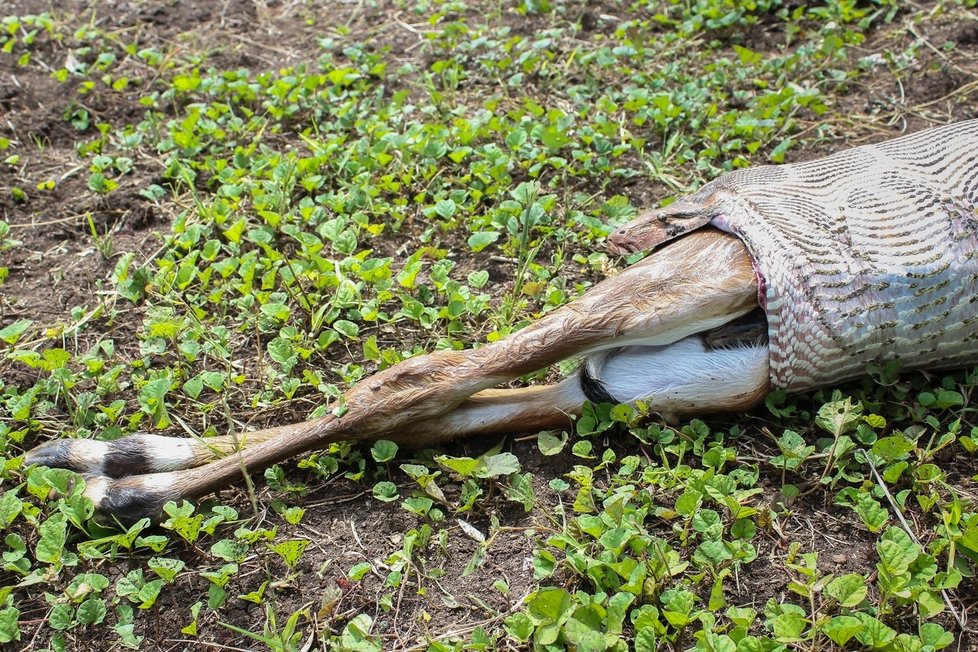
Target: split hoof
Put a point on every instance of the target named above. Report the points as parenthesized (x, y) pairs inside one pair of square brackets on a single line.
[(81, 455)]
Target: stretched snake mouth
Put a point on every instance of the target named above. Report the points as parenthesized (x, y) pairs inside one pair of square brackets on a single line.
[(761, 287), (723, 223)]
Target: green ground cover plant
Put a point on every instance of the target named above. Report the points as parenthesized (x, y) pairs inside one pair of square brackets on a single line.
[(216, 220)]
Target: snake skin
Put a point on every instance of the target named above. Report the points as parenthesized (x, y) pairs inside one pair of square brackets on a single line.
[(865, 256)]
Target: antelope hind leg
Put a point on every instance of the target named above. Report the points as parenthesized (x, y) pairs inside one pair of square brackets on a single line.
[(487, 412), (692, 376), (697, 283)]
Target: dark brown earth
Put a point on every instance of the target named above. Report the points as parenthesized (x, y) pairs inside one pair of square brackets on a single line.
[(58, 273)]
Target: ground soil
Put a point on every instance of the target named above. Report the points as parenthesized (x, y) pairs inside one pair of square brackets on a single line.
[(56, 272)]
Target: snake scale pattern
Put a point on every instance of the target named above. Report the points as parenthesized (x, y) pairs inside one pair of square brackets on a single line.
[(865, 256)]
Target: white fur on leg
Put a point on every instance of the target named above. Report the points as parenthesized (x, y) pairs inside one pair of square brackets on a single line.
[(515, 410), (166, 453), (88, 455), (142, 453), (132, 455), (95, 488)]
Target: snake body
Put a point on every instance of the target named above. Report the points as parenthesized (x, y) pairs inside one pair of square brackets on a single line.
[(865, 256)]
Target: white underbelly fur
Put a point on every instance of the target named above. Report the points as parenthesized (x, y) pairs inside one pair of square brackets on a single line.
[(683, 375)]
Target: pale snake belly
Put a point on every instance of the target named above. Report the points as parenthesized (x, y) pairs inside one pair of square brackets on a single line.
[(865, 256)]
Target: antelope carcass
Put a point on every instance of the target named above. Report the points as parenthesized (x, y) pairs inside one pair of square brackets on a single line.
[(791, 276)]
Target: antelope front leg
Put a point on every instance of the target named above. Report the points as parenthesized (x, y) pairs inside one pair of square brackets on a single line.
[(695, 284)]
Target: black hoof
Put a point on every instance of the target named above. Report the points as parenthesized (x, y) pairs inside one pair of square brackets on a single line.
[(55, 453), (128, 505)]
